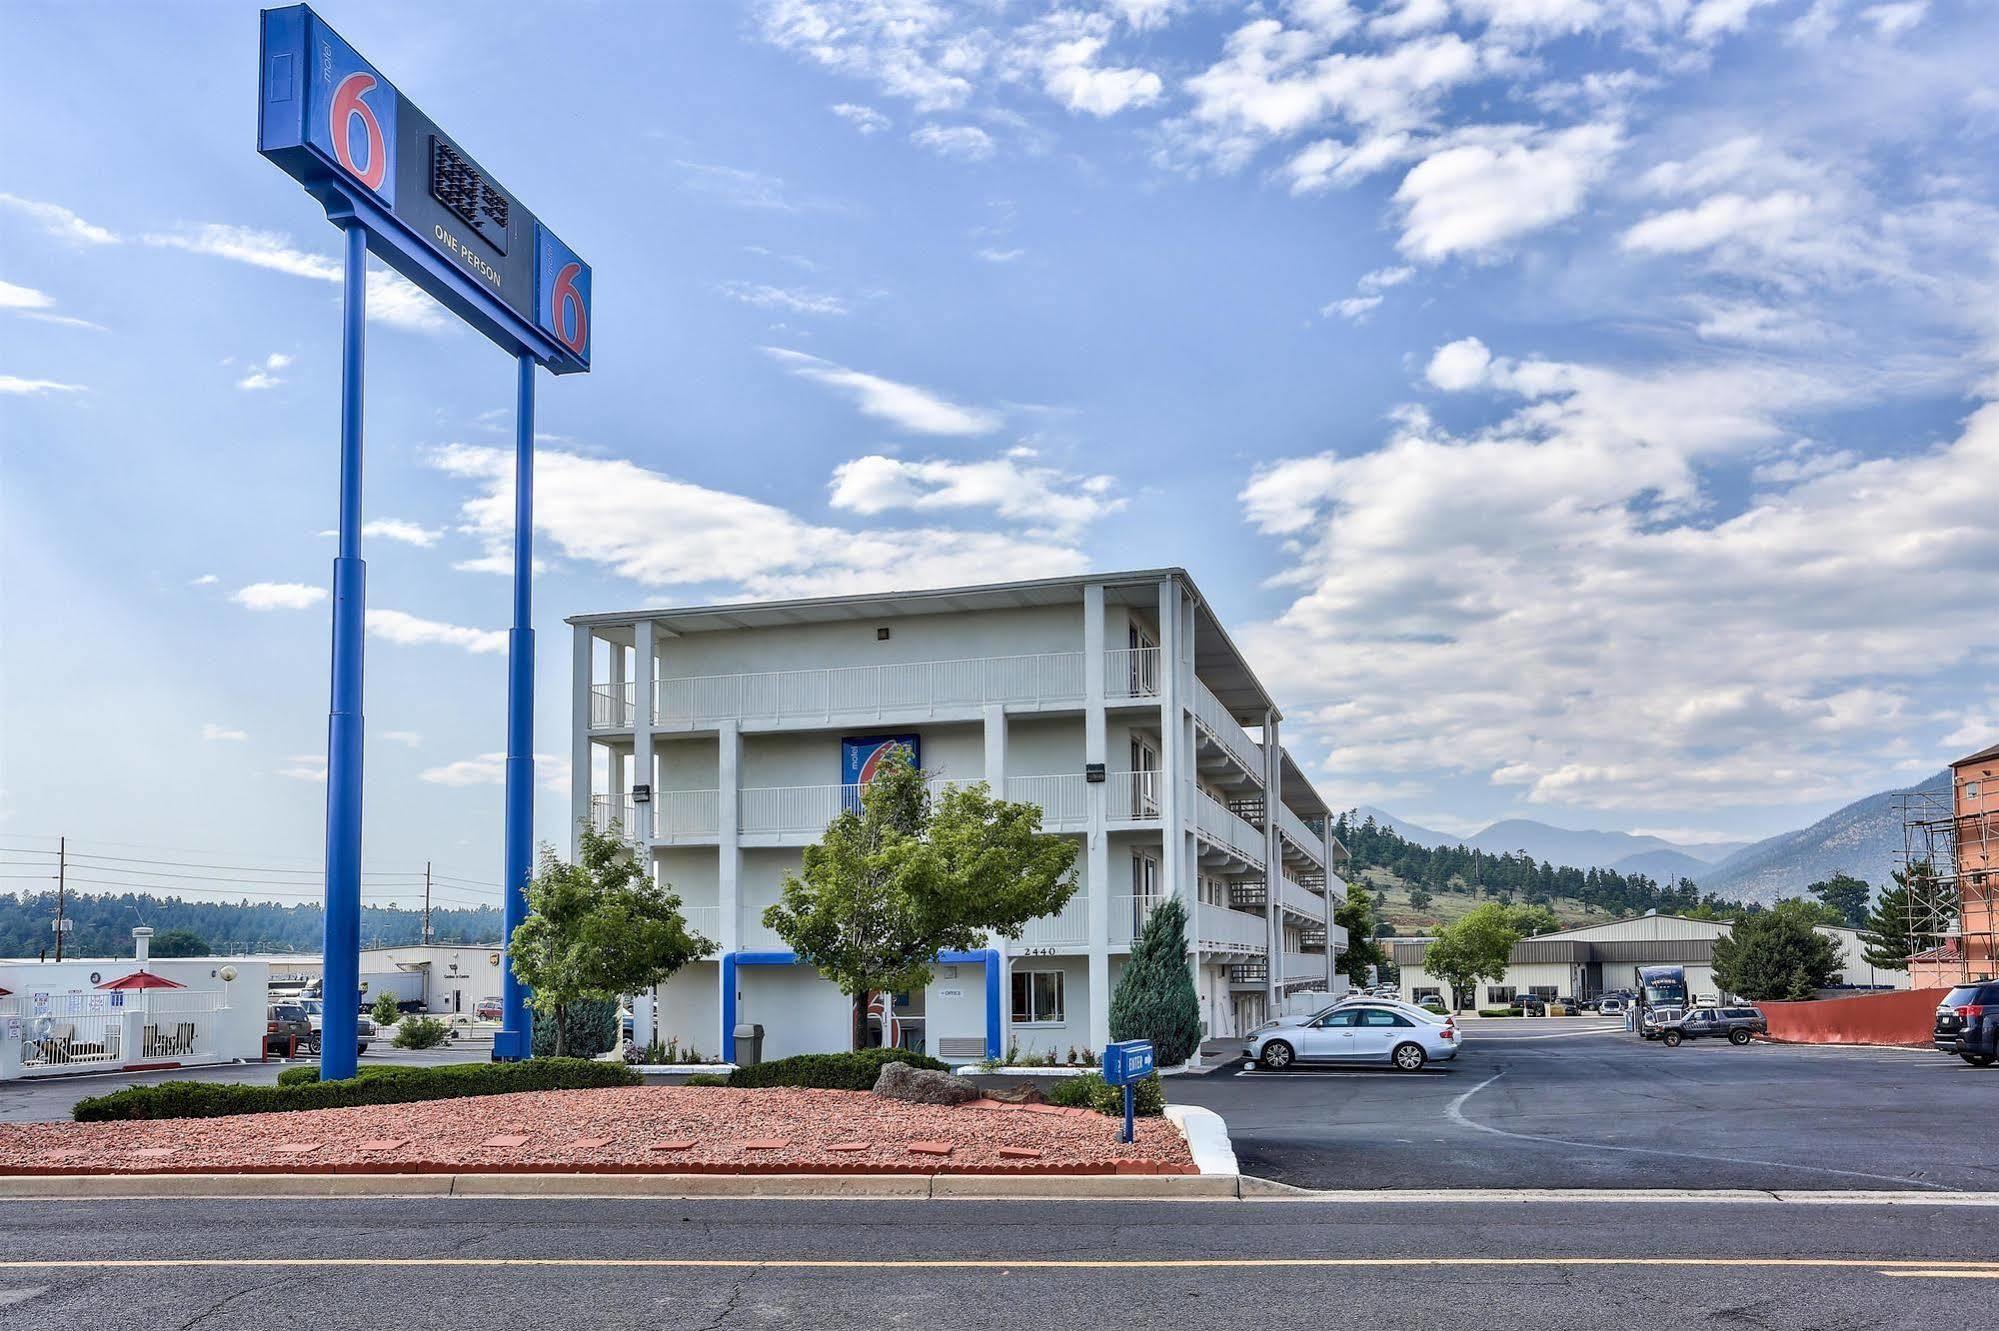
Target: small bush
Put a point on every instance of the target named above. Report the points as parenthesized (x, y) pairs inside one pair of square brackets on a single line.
[(855, 1070), (420, 1033), (385, 1010), (707, 1079), (298, 1076), (1497, 1012), (1089, 1090), (374, 1086)]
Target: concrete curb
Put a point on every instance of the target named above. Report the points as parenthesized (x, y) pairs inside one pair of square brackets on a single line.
[(1207, 1139), (1261, 1189)]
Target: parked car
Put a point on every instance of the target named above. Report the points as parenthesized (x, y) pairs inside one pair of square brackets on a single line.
[(286, 1025), (1737, 1025), (1530, 1005), (1968, 1023), (1372, 1032), (1562, 1007), (1431, 1003), (1610, 1005), (315, 1012)]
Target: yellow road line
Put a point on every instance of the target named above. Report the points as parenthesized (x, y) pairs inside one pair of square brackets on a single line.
[(1980, 1269)]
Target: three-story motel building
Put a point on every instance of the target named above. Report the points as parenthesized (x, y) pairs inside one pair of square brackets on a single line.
[(725, 737)]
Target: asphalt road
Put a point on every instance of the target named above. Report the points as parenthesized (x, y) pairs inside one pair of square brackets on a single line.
[(1528, 1106), (49, 1098), (497, 1264)]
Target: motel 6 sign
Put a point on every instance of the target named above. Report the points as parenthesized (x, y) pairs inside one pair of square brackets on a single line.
[(432, 213)]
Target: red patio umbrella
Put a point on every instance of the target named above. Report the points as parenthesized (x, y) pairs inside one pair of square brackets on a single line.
[(141, 980)]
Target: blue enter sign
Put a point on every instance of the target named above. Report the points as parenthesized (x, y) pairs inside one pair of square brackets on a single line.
[(1128, 1061)]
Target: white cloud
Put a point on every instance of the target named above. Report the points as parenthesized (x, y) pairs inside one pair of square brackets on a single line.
[(214, 734), (59, 221), (405, 532), (490, 769), (795, 300), (740, 187), (964, 143), (391, 299), (666, 533), (408, 738), (1714, 18), (903, 405), (266, 374), (1145, 15), (305, 767), (994, 255), (278, 596), (1892, 20), (1368, 292), (1557, 603), (863, 118), (1014, 486), (205, 580), (20, 387), (1718, 218), (1064, 48), (14, 297), (1490, 187), (409, 631)]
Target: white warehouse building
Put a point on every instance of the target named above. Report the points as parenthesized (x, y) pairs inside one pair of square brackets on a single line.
[(726, 737)]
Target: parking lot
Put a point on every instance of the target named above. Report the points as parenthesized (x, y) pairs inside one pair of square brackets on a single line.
[(1559, 1103)]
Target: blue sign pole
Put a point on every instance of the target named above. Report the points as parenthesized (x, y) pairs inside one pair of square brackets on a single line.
[(341, 973), (1129, 1126), (515, 1039)]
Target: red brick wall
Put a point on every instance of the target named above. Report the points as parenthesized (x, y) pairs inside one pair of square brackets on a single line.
[(1906, 1016)]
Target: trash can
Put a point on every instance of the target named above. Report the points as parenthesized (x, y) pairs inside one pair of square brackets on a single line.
[(749, 1044)]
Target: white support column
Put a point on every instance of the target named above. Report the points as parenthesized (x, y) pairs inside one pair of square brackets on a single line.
[(643, 771), (1096, 841), (1173, 753), (728, 801), (1332, 904), (580, 668), (994, 715), (1273, 861), (618, 677)]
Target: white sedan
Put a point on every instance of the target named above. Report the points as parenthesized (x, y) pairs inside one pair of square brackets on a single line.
[(1354, 1033)]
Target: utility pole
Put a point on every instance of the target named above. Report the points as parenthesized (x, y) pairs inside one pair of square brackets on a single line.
[(62, 884), (426, 903)]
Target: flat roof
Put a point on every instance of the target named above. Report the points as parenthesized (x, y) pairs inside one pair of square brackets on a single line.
[(1216, 658)]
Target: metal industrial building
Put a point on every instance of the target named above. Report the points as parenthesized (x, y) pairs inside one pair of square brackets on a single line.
[(1584, 962)]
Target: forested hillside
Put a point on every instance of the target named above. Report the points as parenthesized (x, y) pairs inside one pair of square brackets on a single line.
[(104, 924)]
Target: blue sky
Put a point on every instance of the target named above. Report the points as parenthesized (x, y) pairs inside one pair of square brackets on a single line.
[(1577, 406)]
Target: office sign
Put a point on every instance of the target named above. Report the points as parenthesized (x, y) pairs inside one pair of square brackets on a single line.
[(433, 213)]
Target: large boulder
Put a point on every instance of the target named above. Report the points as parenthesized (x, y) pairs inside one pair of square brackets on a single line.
[(899, 1081)]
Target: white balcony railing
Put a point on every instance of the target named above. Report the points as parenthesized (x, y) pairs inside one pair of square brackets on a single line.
[(1068, 927), (872, 690), (1132, 796), (1129, 914), (684, 814), (1228, 830), (706, 921), (1220, 929), (803, 810), (1131, 672), (1306, 967), (1301, 835), (611, 706), (1064, 798), (634, 820), (1226, 731), (1300, 900)]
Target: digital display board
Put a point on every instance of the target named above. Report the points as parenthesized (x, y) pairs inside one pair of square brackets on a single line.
[(433, 213)]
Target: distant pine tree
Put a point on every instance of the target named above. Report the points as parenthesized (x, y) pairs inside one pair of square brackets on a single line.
[(1155, 998)]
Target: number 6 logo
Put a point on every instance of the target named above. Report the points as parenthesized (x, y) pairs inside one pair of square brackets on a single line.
[(347, 108), (566, 310)]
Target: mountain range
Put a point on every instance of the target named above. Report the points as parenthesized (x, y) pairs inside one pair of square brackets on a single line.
[(1863, 839)]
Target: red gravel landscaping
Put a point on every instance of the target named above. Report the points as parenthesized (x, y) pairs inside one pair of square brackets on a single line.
[(640, 1129)]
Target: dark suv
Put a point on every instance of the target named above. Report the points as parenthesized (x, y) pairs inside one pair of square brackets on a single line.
[(1736, 1024), (1968, 1023)]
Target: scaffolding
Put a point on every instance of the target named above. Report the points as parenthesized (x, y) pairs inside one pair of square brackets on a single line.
[(1950, 865)]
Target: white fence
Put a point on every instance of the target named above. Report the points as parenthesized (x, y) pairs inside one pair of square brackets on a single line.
[(1131, 672), (611, 706), (1223, 930), (1301, 834), (686, 813), (1227, 731), (634, 820), (70, 1030), (1068, 927), (1064, 798), (1228, 830)]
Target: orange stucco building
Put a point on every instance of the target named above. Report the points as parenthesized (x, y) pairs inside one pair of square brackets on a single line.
[(1974, 954)]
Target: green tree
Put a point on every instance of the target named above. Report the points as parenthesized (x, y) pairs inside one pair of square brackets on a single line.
[(1419, 898), (1532, 920), (1357, 916), (179, 943), (598, 928), (1847, 895), (902, 877), (1474, 947), (385, 1012), (1773, 955), (1804, 910), (1886, 941), (589, 1027), (1155, 998)]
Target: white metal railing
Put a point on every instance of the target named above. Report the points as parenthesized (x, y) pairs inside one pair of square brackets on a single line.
[(1132, 796), (1064, 798), (1131, 672), (803, 810), (1304, 966), (634, 820), (1129, 914), (1225, 828), (1301, 834), (1227, 731), (706, 921), (687, 813), (1294, 896), (1068, 927), (1222, 929), (66, 1039), (872, 689), (611, 706)]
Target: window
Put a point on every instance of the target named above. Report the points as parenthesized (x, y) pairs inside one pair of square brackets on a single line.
[(1037, 998), (1499, 993), (1375, 1016), (1335, 1020), (1543, 991), (1422, 994)]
